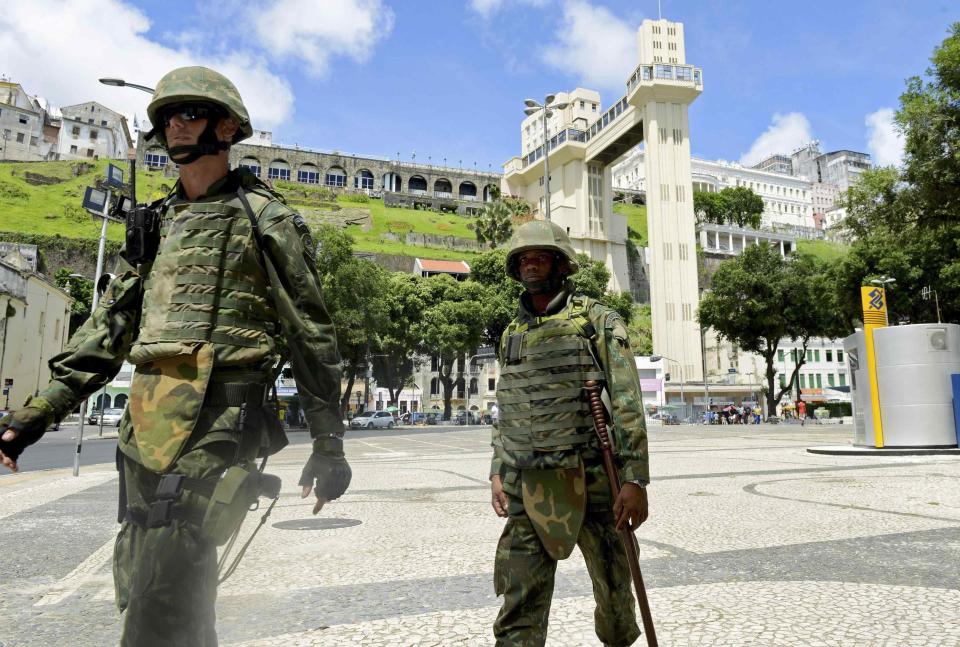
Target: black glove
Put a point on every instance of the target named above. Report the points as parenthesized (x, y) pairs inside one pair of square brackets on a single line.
[(30, 423), (332, 474)]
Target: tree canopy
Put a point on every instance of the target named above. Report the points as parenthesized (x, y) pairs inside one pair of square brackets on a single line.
[(739, 206), (759, 298), (905, 221)]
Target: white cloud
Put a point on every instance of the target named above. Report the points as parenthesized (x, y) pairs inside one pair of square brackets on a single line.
[(593, 44), (486, 8), (59, 48), (786, 133), (318, 30), (884, 141)]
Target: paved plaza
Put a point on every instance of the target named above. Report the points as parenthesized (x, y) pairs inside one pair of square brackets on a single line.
[(751, 541)]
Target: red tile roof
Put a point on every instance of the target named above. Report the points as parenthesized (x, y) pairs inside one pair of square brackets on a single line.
[(450, 267)]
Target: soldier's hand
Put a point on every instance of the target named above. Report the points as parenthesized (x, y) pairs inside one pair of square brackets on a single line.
[(499, 497), (630, 509), (19, 430), (328, 476)]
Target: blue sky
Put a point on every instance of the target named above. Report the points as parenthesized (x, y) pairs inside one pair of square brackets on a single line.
[(446, 79)]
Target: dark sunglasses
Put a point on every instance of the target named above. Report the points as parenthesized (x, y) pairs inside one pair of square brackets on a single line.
[(188, 112)]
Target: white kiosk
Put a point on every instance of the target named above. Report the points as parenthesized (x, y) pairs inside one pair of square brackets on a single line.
[(913, 368)]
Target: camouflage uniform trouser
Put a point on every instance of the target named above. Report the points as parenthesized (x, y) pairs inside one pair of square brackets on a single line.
[(165, 578), (524, 573)]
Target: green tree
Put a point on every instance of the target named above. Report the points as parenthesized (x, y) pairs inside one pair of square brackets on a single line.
[(81, 289), (354, 291), (759, 298), (733, 205), (709, 207), (493, 226), (906, 222), (744, 208), (399, 338), (503, 293), (929, 117), (451, 326)]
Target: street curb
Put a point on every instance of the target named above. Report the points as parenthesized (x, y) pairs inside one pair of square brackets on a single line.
[(851, 450)]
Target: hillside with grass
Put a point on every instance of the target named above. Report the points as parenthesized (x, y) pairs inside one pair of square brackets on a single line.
[(41, 200)]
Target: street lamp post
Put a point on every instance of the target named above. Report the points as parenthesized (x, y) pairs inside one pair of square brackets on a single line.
[(546, 109), (657, 358)]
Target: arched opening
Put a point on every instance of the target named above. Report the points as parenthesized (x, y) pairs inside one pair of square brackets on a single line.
[(102, 402), (252, 164), (336, 177), (489, 192), (434, 386), (392, 182), (473, 386), (156, 157), (120, 401), (442, 188), (468, 191), (308, 174), (363, 180), (460, 389), (418, 184), (278, 170)]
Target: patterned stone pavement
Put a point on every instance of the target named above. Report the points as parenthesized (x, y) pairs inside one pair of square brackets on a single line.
[(751, 541)]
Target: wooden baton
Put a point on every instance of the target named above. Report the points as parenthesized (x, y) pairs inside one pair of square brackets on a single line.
[(629, 541)]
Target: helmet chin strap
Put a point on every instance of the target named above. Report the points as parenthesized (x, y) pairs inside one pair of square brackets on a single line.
[(547, 286)]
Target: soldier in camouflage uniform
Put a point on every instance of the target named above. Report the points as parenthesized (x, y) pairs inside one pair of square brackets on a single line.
[(231, 289), (547, 474)]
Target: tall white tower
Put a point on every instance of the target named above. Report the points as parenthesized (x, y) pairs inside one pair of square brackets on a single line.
[(586, 140), (663, 87)]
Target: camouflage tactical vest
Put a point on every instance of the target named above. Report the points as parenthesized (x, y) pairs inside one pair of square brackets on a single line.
[(208, 286), (540, 396)]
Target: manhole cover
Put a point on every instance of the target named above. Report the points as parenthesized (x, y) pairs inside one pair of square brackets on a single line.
[(316, 524)]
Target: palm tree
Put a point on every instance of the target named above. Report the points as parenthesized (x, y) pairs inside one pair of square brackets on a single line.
[(494, 226)]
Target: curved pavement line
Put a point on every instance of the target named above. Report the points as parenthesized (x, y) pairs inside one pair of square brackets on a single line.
[(752, 489)]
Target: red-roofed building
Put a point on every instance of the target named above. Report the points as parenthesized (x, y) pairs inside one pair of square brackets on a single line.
[(425, 267)]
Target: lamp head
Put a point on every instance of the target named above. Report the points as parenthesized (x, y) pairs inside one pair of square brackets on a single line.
[(559, 106), (549, 99), (119, 83), (530, 103), (531, 111)]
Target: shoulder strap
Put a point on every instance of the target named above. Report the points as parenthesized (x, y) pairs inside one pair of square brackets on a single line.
[(261, 247)]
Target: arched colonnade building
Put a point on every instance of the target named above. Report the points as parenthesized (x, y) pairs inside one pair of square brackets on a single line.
[(409, 182)]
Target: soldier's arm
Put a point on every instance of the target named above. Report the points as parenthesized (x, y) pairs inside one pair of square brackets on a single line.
[(306, 324), (96, 351), (623, 386)]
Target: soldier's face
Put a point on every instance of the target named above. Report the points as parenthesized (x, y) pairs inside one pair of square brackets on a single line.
[(535, 265), (181, 131)]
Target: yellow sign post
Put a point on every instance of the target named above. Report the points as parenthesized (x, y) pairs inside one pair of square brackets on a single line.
[(874, 301)]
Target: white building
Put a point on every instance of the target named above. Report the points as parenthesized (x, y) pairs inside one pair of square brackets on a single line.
[(92, 131), (34, 323), (787, 200), (21, 125)]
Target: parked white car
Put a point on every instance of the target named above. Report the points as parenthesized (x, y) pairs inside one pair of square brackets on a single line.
[(371, 419)]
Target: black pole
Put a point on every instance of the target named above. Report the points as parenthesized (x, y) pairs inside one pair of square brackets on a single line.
[(133, 180)]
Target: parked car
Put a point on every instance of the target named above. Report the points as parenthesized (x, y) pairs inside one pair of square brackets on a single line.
[(371, 419), (110, 417)]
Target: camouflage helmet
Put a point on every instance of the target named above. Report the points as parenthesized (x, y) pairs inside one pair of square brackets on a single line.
[(539, 234), (186, 84)]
